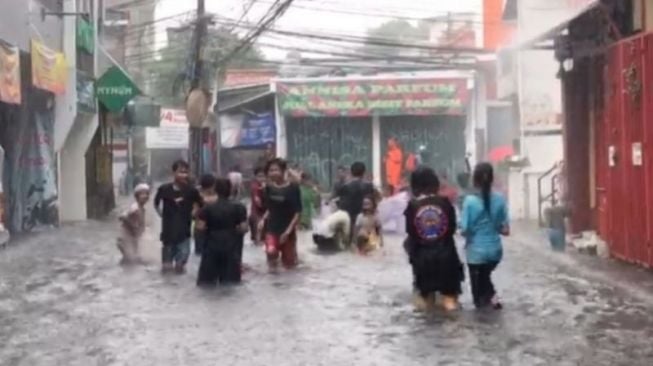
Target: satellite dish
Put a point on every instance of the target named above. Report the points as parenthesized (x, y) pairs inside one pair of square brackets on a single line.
[(197, 107)]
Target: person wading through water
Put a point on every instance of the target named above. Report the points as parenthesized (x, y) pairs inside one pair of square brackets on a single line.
[(207, 191), (175, 203), (224, 222), (282, 201), (484, 220), (431, 225), (351, 195), (133, 226)]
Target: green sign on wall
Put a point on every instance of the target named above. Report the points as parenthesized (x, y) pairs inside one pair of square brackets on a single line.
[(115, 89)]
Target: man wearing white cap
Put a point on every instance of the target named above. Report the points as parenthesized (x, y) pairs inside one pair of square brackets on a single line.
[(133, 226)]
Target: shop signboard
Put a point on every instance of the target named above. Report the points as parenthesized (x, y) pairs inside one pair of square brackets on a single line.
[(173, 117), (49, 69), (9, 74), (167, 137), (115, 89), (383, 97)]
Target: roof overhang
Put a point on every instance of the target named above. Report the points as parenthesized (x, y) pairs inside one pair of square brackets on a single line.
[(544, 40), (233, 98)]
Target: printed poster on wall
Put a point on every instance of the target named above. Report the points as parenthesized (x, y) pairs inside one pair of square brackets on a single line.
[(49, 70), (10, 74), (245, 130), (388, 97)]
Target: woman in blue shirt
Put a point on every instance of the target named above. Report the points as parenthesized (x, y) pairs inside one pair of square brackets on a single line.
[(484, 220)]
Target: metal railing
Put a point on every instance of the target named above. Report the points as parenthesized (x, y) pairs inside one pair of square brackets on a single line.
[(554, 174)]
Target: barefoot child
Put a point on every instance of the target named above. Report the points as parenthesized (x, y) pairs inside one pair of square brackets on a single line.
[(368, 228), (431, 225), (133, 226)]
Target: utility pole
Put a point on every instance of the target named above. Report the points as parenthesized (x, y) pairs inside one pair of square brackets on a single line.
[(197, 83), (201, 29)]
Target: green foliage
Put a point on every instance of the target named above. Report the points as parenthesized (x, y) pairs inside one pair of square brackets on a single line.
[(395, 31), (166, 72)]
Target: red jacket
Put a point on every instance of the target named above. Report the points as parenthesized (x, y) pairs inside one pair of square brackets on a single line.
[(256, 192)]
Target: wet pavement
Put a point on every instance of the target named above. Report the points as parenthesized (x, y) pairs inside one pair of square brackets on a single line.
[(65, 301)]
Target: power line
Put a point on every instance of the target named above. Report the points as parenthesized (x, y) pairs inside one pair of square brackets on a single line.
[(373, 41), (263, 25), (371, 14)]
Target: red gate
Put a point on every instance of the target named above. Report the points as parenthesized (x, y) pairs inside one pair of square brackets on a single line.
[(624, 157)]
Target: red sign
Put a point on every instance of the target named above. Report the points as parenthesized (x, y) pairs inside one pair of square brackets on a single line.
[(248, 77)]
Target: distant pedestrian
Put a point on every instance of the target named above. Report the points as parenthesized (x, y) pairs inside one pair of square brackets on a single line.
[(368, 228), (342, 174), (208, 194), (557, 230), (484, 220), (224, 222), (236, 178), (133, 226), (310, 201), (257, 209), (282, 200), (431, 226), (175, 203)]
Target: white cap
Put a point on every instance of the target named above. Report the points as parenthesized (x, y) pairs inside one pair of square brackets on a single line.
[(141, 188)]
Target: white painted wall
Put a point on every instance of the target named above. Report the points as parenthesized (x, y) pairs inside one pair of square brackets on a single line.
[(75, 132), (66, 104), (72, 167)]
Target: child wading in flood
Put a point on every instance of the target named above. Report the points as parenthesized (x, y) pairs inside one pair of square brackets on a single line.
[(431, 225), (133, 226), (175, 203), (369, 236), (484, 220), (207, 192), (282, 200)]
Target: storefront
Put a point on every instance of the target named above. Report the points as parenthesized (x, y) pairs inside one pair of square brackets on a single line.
[(26, 135), (390, 124)]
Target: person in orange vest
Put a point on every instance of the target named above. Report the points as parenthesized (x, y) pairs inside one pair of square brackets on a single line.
[(393, 163)]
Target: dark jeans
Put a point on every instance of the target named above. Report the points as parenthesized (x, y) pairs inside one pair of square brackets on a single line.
[(177, 253), (480, 276)]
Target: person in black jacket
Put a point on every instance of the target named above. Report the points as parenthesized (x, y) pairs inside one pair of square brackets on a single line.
[(224, 222), (175, 203), (431, 225)]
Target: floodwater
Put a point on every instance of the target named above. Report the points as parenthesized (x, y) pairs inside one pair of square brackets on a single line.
[(65, 301)]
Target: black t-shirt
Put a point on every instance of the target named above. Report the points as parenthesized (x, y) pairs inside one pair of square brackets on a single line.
[(222, 218), (177, 215), (351, 196), (430, 220), (282, 204)]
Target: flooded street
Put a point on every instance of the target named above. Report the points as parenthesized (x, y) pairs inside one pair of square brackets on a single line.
[(65, 301)]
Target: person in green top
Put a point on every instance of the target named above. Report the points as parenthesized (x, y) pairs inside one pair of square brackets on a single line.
[(310, 201)]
